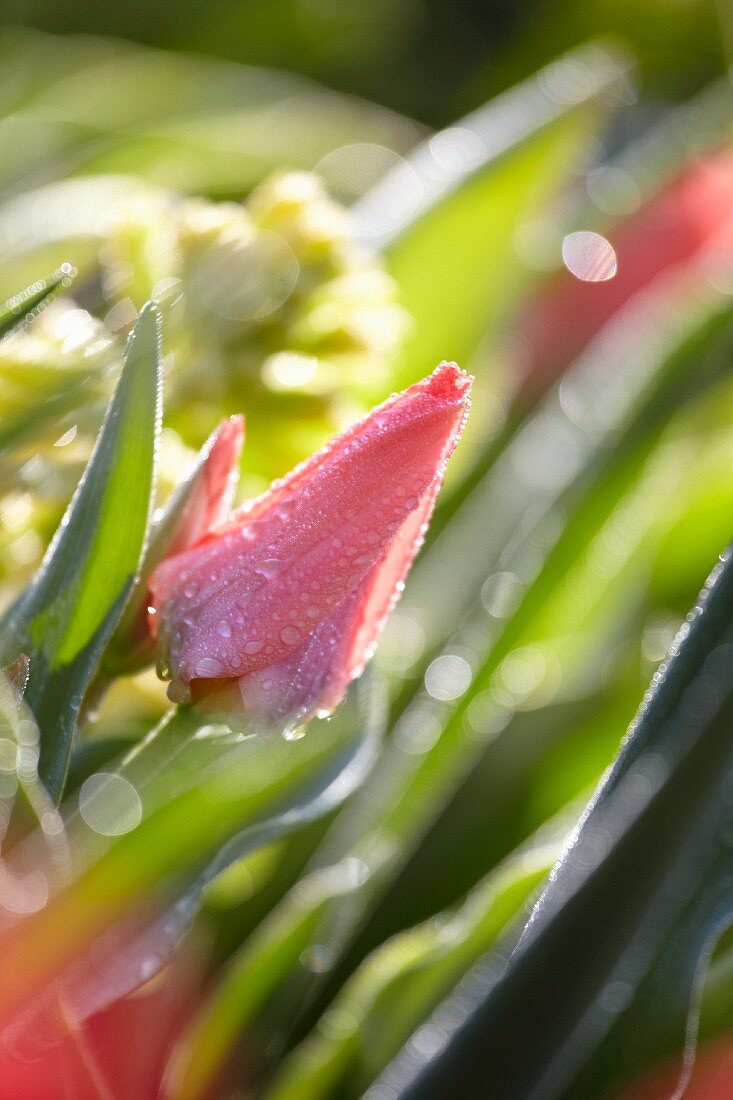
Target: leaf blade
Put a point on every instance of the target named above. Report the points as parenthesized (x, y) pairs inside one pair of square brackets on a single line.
[(64, 619)]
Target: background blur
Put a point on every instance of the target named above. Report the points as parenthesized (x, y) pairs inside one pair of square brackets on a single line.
[(297, 182), (432, 59)]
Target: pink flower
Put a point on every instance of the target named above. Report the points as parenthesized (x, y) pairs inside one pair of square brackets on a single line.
[(213, 490), (691, 219), (274, 612)]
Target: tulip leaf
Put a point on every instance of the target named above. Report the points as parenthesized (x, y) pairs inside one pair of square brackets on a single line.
[(637, 902), (65, 617)]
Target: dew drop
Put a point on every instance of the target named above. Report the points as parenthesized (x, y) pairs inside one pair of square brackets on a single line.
[(294, 732), (290, 635), (209, 666), (224, 629), (163, 670), (190, 590), (271, 567), (253, 647), (313, 611)]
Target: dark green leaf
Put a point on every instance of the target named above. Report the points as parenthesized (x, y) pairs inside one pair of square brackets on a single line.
[(633, 908)]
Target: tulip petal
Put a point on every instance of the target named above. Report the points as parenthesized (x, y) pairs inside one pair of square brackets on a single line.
[(212, 496)]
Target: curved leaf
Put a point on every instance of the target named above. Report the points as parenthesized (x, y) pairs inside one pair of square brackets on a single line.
[(64, 619)]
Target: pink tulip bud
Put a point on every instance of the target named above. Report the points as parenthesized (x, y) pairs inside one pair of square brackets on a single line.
[(277, 610)]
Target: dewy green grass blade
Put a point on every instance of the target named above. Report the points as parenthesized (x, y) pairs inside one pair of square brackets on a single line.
[(63, 621), (23, 307)]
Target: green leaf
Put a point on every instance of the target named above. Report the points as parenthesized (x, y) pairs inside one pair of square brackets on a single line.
[(454, 253), (650, 872), (64, 619), (396, 987), (23, 307)]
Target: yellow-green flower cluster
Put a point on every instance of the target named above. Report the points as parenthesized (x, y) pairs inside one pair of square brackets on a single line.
[(270, 306)]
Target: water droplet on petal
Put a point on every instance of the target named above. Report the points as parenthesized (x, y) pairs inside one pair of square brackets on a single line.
[(290, 635), (253, 647), (294, 732), (209, 666), (271, 567), (224, 629), (313, 611), (190, 590)]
